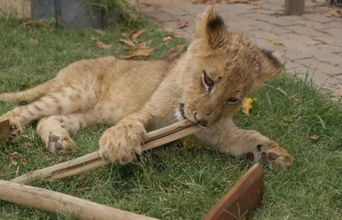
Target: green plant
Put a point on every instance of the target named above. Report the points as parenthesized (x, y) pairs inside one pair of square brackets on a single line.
[(126, 11)]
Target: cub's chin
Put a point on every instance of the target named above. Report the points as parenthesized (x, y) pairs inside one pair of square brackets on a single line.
[(180, 114)]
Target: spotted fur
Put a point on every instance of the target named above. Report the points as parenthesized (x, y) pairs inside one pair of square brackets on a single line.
[(134, 94)]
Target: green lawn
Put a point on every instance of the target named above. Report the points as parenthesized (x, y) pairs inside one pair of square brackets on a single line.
[(173, 182)]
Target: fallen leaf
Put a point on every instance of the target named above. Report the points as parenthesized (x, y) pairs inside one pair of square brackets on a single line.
[(13, 157), (35, 24), (136, 34), (140, 52), (315, 137), (98, 31), (161, 154), (294, 100), (33, 41), (167, 38), (222, 1), (199, 1), (26, 145), (23, 161), (182, 24), (144, 5), (274, 43), (237, 1), (336, 13), (102, 45), (128, 42), (173, 52), (247, 105)]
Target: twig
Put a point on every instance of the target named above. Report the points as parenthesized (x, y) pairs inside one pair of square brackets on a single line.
[(61, 203), (93, 160)]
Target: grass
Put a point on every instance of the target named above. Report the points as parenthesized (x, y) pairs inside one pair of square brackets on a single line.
[(173, 182)]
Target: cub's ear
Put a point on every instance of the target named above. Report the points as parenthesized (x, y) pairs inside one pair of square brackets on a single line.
[(210, 27), (271, 63)]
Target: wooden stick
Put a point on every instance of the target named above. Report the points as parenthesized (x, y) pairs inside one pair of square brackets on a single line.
[(61, 203), (93, 160)]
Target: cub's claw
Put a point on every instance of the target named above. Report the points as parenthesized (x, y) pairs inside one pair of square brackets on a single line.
[(60, 144), (274, 155), (121, 143)]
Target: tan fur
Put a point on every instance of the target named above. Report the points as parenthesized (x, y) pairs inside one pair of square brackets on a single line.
[(135, 94)]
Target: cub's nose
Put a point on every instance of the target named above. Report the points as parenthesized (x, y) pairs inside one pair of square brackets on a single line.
[(203, 122)]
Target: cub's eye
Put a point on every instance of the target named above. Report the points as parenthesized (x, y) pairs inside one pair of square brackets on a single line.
[(207, 81), (231, 101)]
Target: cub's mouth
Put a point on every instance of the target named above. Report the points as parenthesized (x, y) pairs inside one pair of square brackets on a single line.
[(181, 110)]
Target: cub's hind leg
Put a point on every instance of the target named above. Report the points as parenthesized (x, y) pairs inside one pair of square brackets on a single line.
[(65, 101), (54, 130)]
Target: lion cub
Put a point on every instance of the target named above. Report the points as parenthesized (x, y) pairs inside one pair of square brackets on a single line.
[(205, 85)]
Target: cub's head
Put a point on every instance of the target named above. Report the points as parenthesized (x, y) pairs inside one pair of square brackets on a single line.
[(219, 69)]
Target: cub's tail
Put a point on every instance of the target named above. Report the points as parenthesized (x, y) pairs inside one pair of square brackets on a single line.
[(29, 94)]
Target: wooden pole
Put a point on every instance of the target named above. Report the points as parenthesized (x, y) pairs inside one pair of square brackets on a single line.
[(62, 203), (93, 160), (294, 7)]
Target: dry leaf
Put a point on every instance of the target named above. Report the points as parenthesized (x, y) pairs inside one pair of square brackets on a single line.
[(26, 145), (144, 5), (173, 52), (336, 13), (35, 24), (294, 100), (237, 1), (274, 43), (102, 45), (98, 31), (247, 105), (140, 52), (182, 24), (199, 1), (34, 41), (167, 38), (128, 42), (136, 34), (161, 154), (13, 157), (222, 1), (315, 137)]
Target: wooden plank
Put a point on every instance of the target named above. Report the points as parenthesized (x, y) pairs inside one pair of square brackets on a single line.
[(241, 199), (15, 8)]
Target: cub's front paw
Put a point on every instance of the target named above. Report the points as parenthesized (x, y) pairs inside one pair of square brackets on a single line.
[(121, 143), (274, 155)]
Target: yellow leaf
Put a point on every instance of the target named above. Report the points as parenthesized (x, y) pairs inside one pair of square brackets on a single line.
[(315, 137), (247, 105), (274, 43), (98, 31), (102, 45), (128, 42), (167, 38), (140, 52), (136, 34), (174, 52)]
